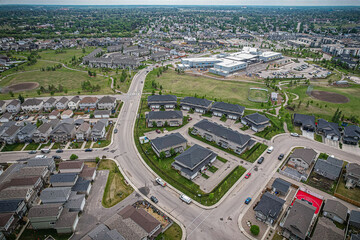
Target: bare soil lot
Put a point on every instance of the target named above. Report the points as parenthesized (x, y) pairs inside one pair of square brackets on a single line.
[(21, 87), (329, 97)]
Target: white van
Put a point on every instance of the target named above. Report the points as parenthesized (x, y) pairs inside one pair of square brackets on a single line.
[(270, 149), (45, 150), (160, 182), (185, 198)]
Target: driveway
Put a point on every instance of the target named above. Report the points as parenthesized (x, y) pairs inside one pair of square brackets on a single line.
[(307, 134)]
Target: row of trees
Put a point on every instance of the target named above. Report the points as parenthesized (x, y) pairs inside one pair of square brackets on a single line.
[(88, 87)]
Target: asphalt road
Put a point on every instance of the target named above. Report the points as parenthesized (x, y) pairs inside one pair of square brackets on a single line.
[(219, 222)]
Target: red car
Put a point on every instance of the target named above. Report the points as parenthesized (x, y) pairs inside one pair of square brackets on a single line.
[(158, 131), (248, 175), (189, 119)]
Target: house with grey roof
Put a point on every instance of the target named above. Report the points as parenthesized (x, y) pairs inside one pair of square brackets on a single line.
[(47, 162), (302, 158), (159, 56), (326, 229), (26, 133), (82, 186), (8, 222), (10, 135), (329, 130), (164, 118), (102, 113), (103, 232), (76, 202), (269, 208), (98, 131), (39, 171), (62, 104), (224, 137), (354, 219), (73, 104), (193, 160), (88, 103), (306, 122), (63, 132), (63, 179), (17, 206), (83, 132), (32, 105), (330, 168), (280, 186), (67, 222), (351, 135), (257, 122), (13, 106), (49, 104), (6, 117), (42, 133), (231, 111), (55, 195), (199, 105), (2, 106), (298, 220), (164, 144), (158, 101), (74, 166), (335, 210), (352, 175), (25, 193), (107, 103), (44, 216)]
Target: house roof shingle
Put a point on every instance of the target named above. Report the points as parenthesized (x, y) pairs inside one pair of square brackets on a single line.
[(167, 141), (71, 165), (165, 115), (336, 207), (45, 210), (196, 101), (270, 205), (326, 229), (306, 154), (228, 107), (257, 118), (161, 98)]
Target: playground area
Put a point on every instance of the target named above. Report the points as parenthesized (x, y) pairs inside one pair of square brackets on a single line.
[(258, 95), (312, 200)]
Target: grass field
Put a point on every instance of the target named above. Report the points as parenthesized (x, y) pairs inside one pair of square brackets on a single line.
[(32, 146), (188, 85), (326, 109), (116, 189), (172, 233), (13, 147), (258, 95)]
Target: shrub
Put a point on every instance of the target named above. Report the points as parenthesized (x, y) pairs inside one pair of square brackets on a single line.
[(73, 157), (255, 229)]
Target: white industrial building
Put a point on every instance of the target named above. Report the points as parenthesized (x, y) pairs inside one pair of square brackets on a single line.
[(206, 62), (227, 67), (270, 56)]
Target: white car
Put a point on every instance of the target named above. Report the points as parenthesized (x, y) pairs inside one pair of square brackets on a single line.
[(294, 134), (40, 156), (160, 182)]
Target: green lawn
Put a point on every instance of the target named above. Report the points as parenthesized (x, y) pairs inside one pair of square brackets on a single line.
[(213, 169), (13, 147), (275, 128), (116, 189), (57, 145), (254, 153), (75, 145), (102, 143), (30, 234), (32, 146), (353, 193), (172, 233), (188, 85), (45, 145), (318, 137), (88, 144)]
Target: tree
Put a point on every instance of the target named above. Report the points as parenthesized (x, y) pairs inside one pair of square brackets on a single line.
[(162, 155), (73, 157), (11, 93), (172, 151), (255, 229), (21, 98)]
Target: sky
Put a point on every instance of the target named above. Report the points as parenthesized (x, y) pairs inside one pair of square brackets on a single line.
[(190, 2)]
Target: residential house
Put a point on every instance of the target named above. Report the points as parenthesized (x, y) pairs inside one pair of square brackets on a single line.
[(44, 216), (82, 186), (106, 102), (26, 133), (158, 101), (6, 117), (280, 186), (13, 106), (257, 122), (16, 206), (71, 166), (39, 171), (67, 222), (355, 236), (32, 105), (5, 126), (330, 168), (63, 132), (49, 163), (306, 122), (164, 118), (73, 104), (352, 175), (193, 160), (34, 182), (55, 195), (354, 219), (231, 111), (269, 208), (76, 202), (88, 103), (88, 173), (62, 104), (351, 135), (199, 105), (98, 131), (67, 114), (55, 114), (224, 137), (326, 229), (8, 223), (25, 193), (159, 56), (335, 210), (103, 232), (83, 132), (298, 220), (10, 135), (102, 113), (42, 133), (2, 106), (302, 158), (49, 104), (174, 141), (330, 130), (63, 179)]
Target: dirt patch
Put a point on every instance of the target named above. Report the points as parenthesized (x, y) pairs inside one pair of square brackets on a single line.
[(329, 97), (19, 87)]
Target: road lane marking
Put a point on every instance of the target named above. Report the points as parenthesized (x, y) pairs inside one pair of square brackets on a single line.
[(200, 223)]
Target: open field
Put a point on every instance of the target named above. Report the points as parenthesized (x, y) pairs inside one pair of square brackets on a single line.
[(172, 233), (188, 85), (326, 109), (116, 189)]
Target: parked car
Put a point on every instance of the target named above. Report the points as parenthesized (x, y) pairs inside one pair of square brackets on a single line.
[(270, 149), (248, 200), (40, 156), (189, 119), (158, 131), (281, 156), (32, 152), (45, 150), (88, 150), (26, 117), (115, 131), (248, 175), (260, 160), (154, 199), (185, 198), (59, 151), (160, 182), (56, 157), (294, 135)]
